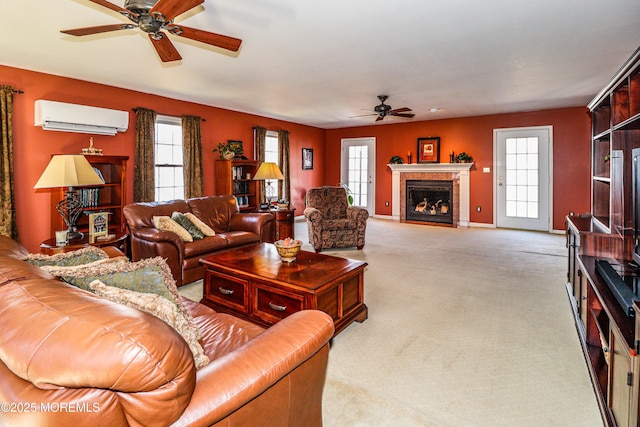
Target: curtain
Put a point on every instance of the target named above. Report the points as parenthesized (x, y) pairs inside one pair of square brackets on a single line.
[(143, 168), (260, 136), (284, 186), (8, 226), (192, 150)]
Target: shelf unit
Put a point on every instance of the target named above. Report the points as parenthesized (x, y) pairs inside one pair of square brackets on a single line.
[(615, 115), (110, 197), (610, 339), (236, 177)]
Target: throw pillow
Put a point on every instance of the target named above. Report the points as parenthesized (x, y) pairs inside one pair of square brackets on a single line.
[(79, 257), (206, 230), (159, 307), (151, 275), (186, 223), (165, 223)]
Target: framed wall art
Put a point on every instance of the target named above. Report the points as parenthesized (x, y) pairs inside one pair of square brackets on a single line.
[(236, 147), (98, 223), (307, 158), (429, 149)]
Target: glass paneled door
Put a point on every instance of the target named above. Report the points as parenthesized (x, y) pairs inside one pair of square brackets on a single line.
[(523, 178), (357, 170)]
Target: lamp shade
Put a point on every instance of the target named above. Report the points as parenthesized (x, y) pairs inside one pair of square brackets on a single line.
[(68, 170), (268, 170)]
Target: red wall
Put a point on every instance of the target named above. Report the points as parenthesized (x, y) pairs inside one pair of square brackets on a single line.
[(474, 135), (33, 146)]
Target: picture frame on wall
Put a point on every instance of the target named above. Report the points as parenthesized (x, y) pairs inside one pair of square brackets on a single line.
[(307, 158), (236, 147), (429, 149)]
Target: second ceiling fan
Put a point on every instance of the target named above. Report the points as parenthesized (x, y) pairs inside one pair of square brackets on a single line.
[(154, 16), (383, 110)]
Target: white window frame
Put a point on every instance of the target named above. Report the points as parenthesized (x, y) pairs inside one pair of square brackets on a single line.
[(272, 154), (169, 175)]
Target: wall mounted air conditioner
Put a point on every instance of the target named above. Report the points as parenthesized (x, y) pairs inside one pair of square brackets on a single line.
[(60, 116)]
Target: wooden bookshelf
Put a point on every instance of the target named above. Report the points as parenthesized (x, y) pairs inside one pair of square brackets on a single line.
[(110, 197), (236, 177)]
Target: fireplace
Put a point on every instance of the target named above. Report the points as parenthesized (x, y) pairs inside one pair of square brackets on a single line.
[(429, 201), (457, 173)]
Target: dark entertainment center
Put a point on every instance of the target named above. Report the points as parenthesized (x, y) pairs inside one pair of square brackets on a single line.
[(604, 251)]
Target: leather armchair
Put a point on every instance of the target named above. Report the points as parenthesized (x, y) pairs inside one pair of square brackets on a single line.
[(332, 222)]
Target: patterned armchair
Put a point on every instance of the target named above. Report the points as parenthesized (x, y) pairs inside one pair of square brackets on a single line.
[(332, 222)]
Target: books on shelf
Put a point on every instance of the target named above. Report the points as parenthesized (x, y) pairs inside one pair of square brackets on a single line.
[(89, 197), (99, 172)]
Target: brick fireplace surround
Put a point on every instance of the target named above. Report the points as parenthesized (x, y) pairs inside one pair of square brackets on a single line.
[(456, 172)]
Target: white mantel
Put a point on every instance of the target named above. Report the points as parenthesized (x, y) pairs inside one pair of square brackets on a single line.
[(462, 169)]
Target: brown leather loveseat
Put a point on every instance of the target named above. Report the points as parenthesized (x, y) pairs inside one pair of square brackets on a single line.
[(71, 358), (221, 213)]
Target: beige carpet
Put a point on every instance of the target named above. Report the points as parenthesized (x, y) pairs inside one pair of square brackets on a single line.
[(467, 327)]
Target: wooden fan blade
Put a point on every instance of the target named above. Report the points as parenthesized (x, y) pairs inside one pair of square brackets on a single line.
[(224, 42), (172, 8), (166, 50), (98, 29), (363, 115), (115, 8), (404, 115), (400, 110), (379, 118)]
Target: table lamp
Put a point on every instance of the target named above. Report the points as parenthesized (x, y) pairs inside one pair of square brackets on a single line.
[(69, 171), (266, 172)]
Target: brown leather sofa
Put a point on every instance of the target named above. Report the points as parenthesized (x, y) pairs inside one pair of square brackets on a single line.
[(69, 357), (221, 213)]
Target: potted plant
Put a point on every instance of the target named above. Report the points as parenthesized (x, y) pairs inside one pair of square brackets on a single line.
[(396, 160), (463, 158), (349, 193), (226, 151)]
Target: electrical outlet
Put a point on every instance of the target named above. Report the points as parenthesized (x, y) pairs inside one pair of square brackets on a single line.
[(478, 209), (386, 203)]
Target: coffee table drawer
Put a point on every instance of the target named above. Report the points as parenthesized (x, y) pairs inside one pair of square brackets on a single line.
[(227, 291), (273, 306)]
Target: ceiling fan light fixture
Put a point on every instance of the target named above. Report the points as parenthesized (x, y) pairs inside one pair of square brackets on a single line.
[(139, 6), (153, 16)]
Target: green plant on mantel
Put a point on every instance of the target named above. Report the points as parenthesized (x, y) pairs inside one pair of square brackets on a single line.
[(396, 160), (226, 151), (463, 158)]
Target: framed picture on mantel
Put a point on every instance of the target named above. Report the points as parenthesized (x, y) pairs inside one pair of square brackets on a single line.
[(429, 149)]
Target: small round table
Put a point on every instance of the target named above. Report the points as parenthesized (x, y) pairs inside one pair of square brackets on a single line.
[(49, 247)]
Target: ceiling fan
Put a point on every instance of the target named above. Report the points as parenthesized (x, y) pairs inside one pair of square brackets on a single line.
[(153, 16), (383, 110)]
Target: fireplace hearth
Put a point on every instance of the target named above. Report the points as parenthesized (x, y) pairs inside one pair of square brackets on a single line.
[(429, 201)]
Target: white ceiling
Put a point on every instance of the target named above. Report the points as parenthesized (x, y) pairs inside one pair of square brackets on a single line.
[(319, 63)]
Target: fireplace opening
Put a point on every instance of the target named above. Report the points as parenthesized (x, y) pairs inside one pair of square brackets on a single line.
[(429, 201)]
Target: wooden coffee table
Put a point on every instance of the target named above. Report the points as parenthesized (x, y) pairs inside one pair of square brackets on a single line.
[(252, 282)]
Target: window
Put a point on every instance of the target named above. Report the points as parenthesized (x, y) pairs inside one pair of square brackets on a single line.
[(169, 178), (271, 148), (521, 178)]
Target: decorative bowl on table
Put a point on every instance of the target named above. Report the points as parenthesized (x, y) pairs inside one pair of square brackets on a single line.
[(288, 249)]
